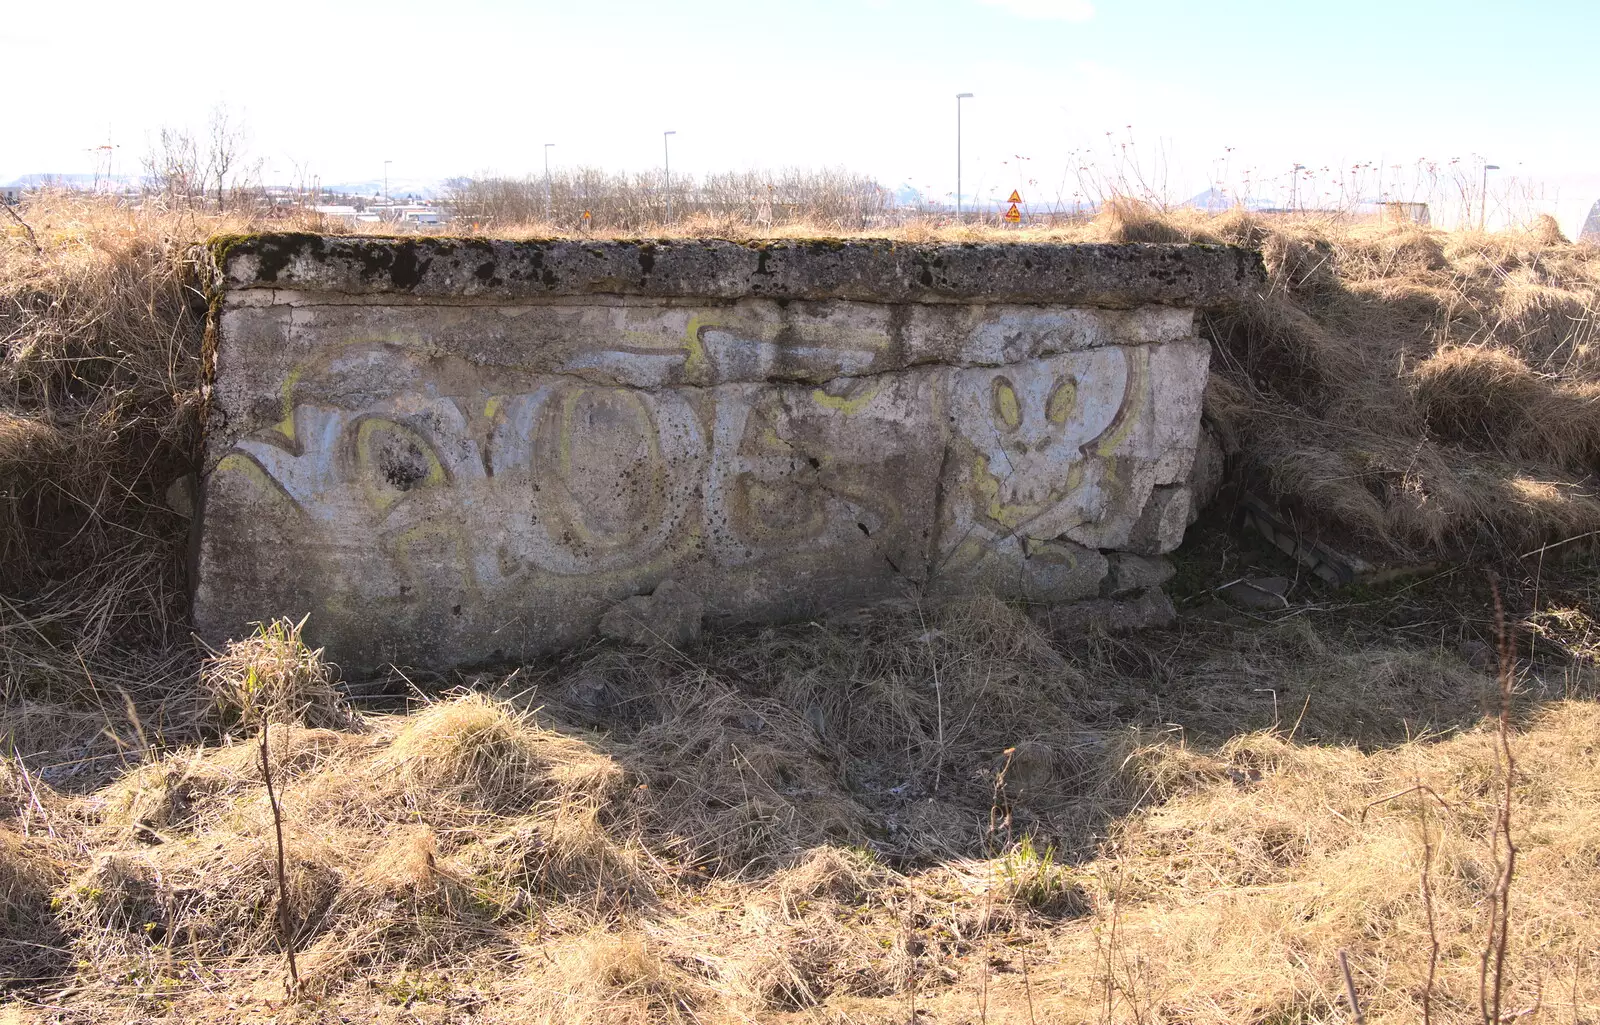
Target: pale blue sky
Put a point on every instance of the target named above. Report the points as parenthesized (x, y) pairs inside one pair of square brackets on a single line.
[(477, 85)]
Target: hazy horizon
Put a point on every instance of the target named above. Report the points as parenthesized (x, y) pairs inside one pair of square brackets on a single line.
[(1229, 93)]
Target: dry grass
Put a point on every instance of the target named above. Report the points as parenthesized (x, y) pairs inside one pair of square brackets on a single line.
[(271, 676), (406, 844), (1421, 392), (935, 811), (478, 853)]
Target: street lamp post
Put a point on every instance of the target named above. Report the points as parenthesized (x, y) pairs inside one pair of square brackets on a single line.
[(666, 164), (547, 179), (959, 98), (1483, 195), (1294, 186), (386, 164)]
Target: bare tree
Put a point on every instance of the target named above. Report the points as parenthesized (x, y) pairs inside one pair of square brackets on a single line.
[(185, 170), (225, 143), (228, 167), (828, 199), (172, 167)]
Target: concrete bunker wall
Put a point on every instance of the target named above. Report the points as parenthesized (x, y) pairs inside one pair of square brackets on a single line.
[(449, 451)]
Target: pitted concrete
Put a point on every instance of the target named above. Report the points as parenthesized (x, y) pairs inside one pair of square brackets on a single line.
[(449, 451), (1112, 276)]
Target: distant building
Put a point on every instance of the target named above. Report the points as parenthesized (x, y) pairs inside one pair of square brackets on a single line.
[(348, 214), (1404, 213), (11, 194), (415, 214)]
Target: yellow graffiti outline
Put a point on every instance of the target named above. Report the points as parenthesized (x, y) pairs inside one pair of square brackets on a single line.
[(1033, 546), (966, 555), (1134, 395), (697, 363), (378, 497), (453, 532), (1013, 517), (286, 426), (749, 493), (1005, 403), (1058, 410), (848, 405), (695, 359), (657, 464), (247, 466)]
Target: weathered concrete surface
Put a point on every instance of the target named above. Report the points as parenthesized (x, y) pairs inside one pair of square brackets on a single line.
[(449, 451), (1114, 276), (668, 615)]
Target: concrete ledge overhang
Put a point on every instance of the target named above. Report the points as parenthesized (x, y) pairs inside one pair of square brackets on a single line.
[(1113, 276)]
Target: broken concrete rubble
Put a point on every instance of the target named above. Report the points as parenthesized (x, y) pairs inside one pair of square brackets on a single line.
[(669, 615)]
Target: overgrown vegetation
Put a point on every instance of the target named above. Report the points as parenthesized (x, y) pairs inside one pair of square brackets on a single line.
[(620, 202), (937, 811)]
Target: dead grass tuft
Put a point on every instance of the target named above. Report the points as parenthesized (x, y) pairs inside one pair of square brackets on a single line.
[(608, 975), (1396, 384), (1489, 398), (1128, 220), (273, 677), (473, 746), (30, 870), (1548, 232), (99, 375), (405, 844), (681, 865)]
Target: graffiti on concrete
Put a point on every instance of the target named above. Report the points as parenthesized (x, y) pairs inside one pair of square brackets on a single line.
[(454, 450), (386, 442)]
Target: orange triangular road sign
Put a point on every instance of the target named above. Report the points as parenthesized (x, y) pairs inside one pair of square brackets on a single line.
[(1012, 214), (1016, 197)]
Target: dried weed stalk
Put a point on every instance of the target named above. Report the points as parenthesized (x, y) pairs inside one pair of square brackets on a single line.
[(1492, 963), (1350, 989), (286, 926), (1425, 884)]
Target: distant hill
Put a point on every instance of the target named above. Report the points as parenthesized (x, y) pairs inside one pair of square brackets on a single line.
[(73, 181), (1591, 225), (1217, 201), (399, 188)]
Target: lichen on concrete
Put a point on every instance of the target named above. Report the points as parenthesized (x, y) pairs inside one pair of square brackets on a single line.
[(1108, 275)]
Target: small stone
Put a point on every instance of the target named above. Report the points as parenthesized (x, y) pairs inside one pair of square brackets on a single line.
[(591, 693), (670, 615), (1478, 655), (1029, 767), (1127, 572), (180, 496), (1161, 525)]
